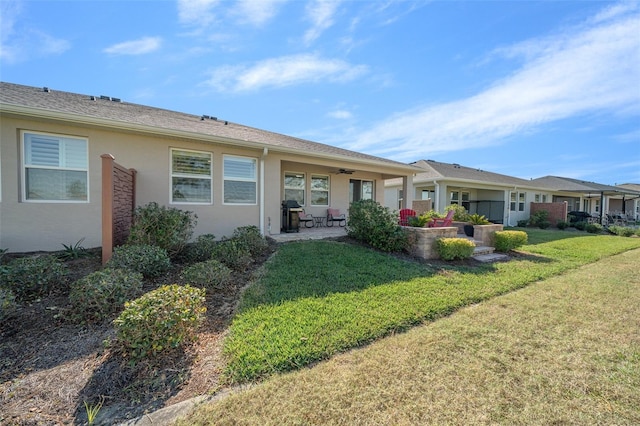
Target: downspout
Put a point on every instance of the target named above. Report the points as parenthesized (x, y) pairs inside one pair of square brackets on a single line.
[(265, 151)]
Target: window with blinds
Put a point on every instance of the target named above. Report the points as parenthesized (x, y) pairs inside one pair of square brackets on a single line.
[(294, 187), (55, 168), (191, 177), (240, 180)]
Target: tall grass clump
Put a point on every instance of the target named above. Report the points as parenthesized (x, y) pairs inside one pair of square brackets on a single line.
[(167, 228), (377, 226)]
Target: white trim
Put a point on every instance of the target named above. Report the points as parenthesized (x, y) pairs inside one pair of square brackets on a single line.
[(203, 177), (254, 180), (328, 190)]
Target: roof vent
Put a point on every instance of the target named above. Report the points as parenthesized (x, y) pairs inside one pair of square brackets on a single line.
[(116, 99), (105, 98), (226, 122), (456, 165), (46, 89), (93, 98)]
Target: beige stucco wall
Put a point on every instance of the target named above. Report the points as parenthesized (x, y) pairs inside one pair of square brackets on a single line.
[(29, 226)]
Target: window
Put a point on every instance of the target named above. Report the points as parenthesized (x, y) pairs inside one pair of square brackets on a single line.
[(521, 198), (360, 190), (319, 190), (294, 187), (597, 206), (191, 177), (55, 168), (400, 198), (517, 201), (453, 197), (240, 181), (537, 198)]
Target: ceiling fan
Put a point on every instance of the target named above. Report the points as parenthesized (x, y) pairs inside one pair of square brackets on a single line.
[(344, 172)]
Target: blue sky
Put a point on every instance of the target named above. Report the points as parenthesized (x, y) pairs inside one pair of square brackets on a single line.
[(523, 88)]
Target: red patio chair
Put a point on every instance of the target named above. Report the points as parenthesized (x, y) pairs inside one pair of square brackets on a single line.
[(333, 215), (404, 216), (439, 223)]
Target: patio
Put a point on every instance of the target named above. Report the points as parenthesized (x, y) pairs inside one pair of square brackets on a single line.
[(315, 233)]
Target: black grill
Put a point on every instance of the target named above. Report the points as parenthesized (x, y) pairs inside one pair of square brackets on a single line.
[(290, 216)]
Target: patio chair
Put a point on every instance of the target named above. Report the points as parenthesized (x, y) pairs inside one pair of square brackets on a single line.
[(405, 214), (333, 215), (305, 218), (442, 222)]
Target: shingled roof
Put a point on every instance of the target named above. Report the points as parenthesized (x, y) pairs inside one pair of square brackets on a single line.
[(576, 185), (111, 112)]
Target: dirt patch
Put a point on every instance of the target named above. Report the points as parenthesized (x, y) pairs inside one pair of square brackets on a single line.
[(49, 365)]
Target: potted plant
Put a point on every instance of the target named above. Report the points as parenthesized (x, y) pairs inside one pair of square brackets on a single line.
[(474, 219)]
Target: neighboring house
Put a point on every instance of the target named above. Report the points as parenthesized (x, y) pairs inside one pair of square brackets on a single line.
[(506, 199), (591, 197), (501, 198), (632, 205), (230, 175)]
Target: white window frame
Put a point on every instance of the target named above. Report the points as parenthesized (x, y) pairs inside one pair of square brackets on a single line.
[(254, 179), (522, 201), (24, 166), (304, 185), (328, 190), (191, 176)]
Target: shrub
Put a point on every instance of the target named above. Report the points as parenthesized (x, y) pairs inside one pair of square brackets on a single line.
[(150, 261), (581, 226), (377, 226), (233, 254), (477, 219), (454, 248), (509, 240), (168, 228), (460, 215), (32, 277), (200, 250), (562, 224), (7, 303), (418, 221), (250, 238), (102, 294), (523, 223), (160, 320), (544, 224), (209, 274), (621, 231), (540, 219), (594, 228)]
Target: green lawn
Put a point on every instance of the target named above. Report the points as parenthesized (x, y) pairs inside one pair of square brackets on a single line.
[(319, 298), (563, 351)]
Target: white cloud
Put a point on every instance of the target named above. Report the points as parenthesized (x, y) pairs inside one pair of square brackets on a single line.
[(320, 13), (257, 12), (135, 47), (585, 69), (196, 12), (18, 43), (283, 71), (340, 114)]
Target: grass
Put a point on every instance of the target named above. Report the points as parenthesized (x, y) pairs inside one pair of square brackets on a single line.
[(317, 299), (561, 351)]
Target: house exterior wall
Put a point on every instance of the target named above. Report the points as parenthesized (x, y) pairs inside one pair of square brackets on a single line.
[(34, 226)]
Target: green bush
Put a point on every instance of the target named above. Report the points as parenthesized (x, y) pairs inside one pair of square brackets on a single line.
[(251, 239), (233, 254), (418, 221), (540, 219), (102, 294), (622, 231), (523, 223), (150, 261), (209, 274), (581, 226), (167, 228), (31, 277), (509, 240), (562, 224), (460, 215), (160, 320), (200, 250), (8, 303), (594, 228), (454, 248), (377, 226), (477, 219)]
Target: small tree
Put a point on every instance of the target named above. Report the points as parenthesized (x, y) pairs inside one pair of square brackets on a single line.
[(377, 226)]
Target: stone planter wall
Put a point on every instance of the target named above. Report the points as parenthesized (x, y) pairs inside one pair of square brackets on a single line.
[(460, 226), (485, 233), (425, 240)]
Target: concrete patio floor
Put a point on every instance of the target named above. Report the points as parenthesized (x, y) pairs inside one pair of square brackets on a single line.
[(314, 233)]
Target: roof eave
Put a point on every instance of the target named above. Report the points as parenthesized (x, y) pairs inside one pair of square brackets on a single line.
[(200, 137)]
